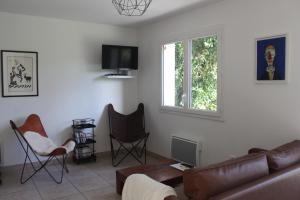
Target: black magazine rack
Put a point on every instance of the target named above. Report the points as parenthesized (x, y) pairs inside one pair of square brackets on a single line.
[(84, 136)]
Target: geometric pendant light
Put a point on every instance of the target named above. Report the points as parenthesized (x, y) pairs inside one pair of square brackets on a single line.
[(131, 7)]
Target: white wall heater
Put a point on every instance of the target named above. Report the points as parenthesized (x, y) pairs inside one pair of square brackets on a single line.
[(186, 151)]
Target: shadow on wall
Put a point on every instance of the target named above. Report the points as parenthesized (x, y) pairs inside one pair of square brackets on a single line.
[(10, 145), (7, 134), (65, 134), (102, 132)]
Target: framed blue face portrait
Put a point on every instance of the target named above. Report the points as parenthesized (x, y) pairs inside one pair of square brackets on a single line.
[(271, 59)]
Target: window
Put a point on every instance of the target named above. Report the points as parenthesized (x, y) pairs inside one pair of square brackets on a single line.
[(190, 75), (173, 74)]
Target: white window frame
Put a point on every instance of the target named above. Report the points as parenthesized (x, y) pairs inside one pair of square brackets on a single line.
[(187, 84)]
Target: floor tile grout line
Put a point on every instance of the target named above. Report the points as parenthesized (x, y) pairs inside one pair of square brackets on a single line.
[(103, 170), (33, 182), (98, 175), (9, 193), (82, 194), (60, 184)]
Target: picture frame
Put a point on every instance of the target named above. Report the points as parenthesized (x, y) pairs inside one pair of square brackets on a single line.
[(19, 72), (271, 59)]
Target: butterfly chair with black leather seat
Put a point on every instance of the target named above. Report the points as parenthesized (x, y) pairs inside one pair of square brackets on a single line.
[(128, 130), (33, 138)]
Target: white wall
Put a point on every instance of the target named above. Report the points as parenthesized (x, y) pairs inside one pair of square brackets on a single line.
[(70, 83), (262, 115)]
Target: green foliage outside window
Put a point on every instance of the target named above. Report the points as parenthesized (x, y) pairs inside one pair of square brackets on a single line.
[(204, 73), (179, 62)]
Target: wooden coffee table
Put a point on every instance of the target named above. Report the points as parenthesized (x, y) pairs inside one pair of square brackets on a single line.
[(161, 172)]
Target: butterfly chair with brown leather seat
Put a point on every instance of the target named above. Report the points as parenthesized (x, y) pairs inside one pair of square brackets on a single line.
[(127, 129), (33, 138)]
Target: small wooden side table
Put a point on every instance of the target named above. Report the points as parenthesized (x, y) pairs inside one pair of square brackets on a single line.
[(161, 172)]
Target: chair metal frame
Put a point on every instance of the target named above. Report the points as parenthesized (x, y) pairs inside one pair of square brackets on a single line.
[(132, 150), (27, 149), (129, 151)]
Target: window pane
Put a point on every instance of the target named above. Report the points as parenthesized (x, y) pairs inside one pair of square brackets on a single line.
[(173, 58), (204, 73)]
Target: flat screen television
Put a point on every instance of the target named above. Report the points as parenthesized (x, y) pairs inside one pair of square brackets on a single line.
[(119, 57)]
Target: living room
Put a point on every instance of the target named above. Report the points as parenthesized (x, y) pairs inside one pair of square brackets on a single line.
[(69, 37)]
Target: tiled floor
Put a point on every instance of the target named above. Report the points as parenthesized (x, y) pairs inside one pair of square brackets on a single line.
[(90, 181)]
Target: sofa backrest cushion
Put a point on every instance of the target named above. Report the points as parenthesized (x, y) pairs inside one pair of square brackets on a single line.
[(203, 183), (284, 156)]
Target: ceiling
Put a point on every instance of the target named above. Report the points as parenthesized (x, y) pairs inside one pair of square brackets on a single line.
[(97, 11)]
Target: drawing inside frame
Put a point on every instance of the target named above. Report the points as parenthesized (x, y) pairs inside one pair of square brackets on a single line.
[(271, 58), (19, 73)]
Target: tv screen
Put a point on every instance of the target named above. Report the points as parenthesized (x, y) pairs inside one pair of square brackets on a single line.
[(119, 57)]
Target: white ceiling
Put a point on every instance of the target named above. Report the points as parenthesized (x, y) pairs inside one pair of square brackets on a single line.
[(97, 11)]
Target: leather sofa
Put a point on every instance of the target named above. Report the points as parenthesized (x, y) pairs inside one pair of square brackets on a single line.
[(260, 175)]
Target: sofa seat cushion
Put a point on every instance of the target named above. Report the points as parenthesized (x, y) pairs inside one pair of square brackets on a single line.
[(203, 183), (284, 156)]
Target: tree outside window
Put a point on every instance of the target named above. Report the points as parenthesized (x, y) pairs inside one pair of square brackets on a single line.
[(202, 69)]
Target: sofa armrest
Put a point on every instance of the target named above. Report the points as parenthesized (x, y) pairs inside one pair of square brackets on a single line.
[(278, 186), (257, 150)]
